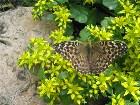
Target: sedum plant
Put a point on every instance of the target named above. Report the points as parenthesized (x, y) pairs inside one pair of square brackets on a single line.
[(87, 20)]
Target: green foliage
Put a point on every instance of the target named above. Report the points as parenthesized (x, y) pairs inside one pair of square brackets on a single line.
[(59, 82), (27, 2), (39, 53)]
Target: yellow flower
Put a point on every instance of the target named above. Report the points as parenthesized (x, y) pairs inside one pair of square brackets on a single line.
[(100, 33), (119, 22), (62, 15), (89, 1)]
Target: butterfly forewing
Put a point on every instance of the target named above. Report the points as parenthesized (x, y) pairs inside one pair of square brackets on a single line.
[(91, 58), (74, 52)]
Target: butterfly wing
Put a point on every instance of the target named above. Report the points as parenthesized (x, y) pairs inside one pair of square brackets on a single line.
[(76, 53), (104, 53)]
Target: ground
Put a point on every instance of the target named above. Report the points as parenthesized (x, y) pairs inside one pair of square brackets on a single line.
[(17, 27)]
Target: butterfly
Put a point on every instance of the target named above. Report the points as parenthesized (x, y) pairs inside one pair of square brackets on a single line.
[(91, 58)]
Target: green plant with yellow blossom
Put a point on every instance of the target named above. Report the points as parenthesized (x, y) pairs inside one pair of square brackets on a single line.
[(87, 20)]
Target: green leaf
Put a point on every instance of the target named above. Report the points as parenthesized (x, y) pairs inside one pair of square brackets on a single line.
[(48, 16), (128, 102), (29, 65), (110, 90), (106, 21), (69, 30), (79, 13), (62, 1), (111, 4), (66, 100), (63, 75), (95, 16), (41, 74), (138, 56), (72, 96), (84, 34), (79, 102), (92, 17), (109, 71), (118, 88), (118, 34), (70, 91)]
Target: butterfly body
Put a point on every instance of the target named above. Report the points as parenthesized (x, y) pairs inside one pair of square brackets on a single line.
[(91, 57)]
